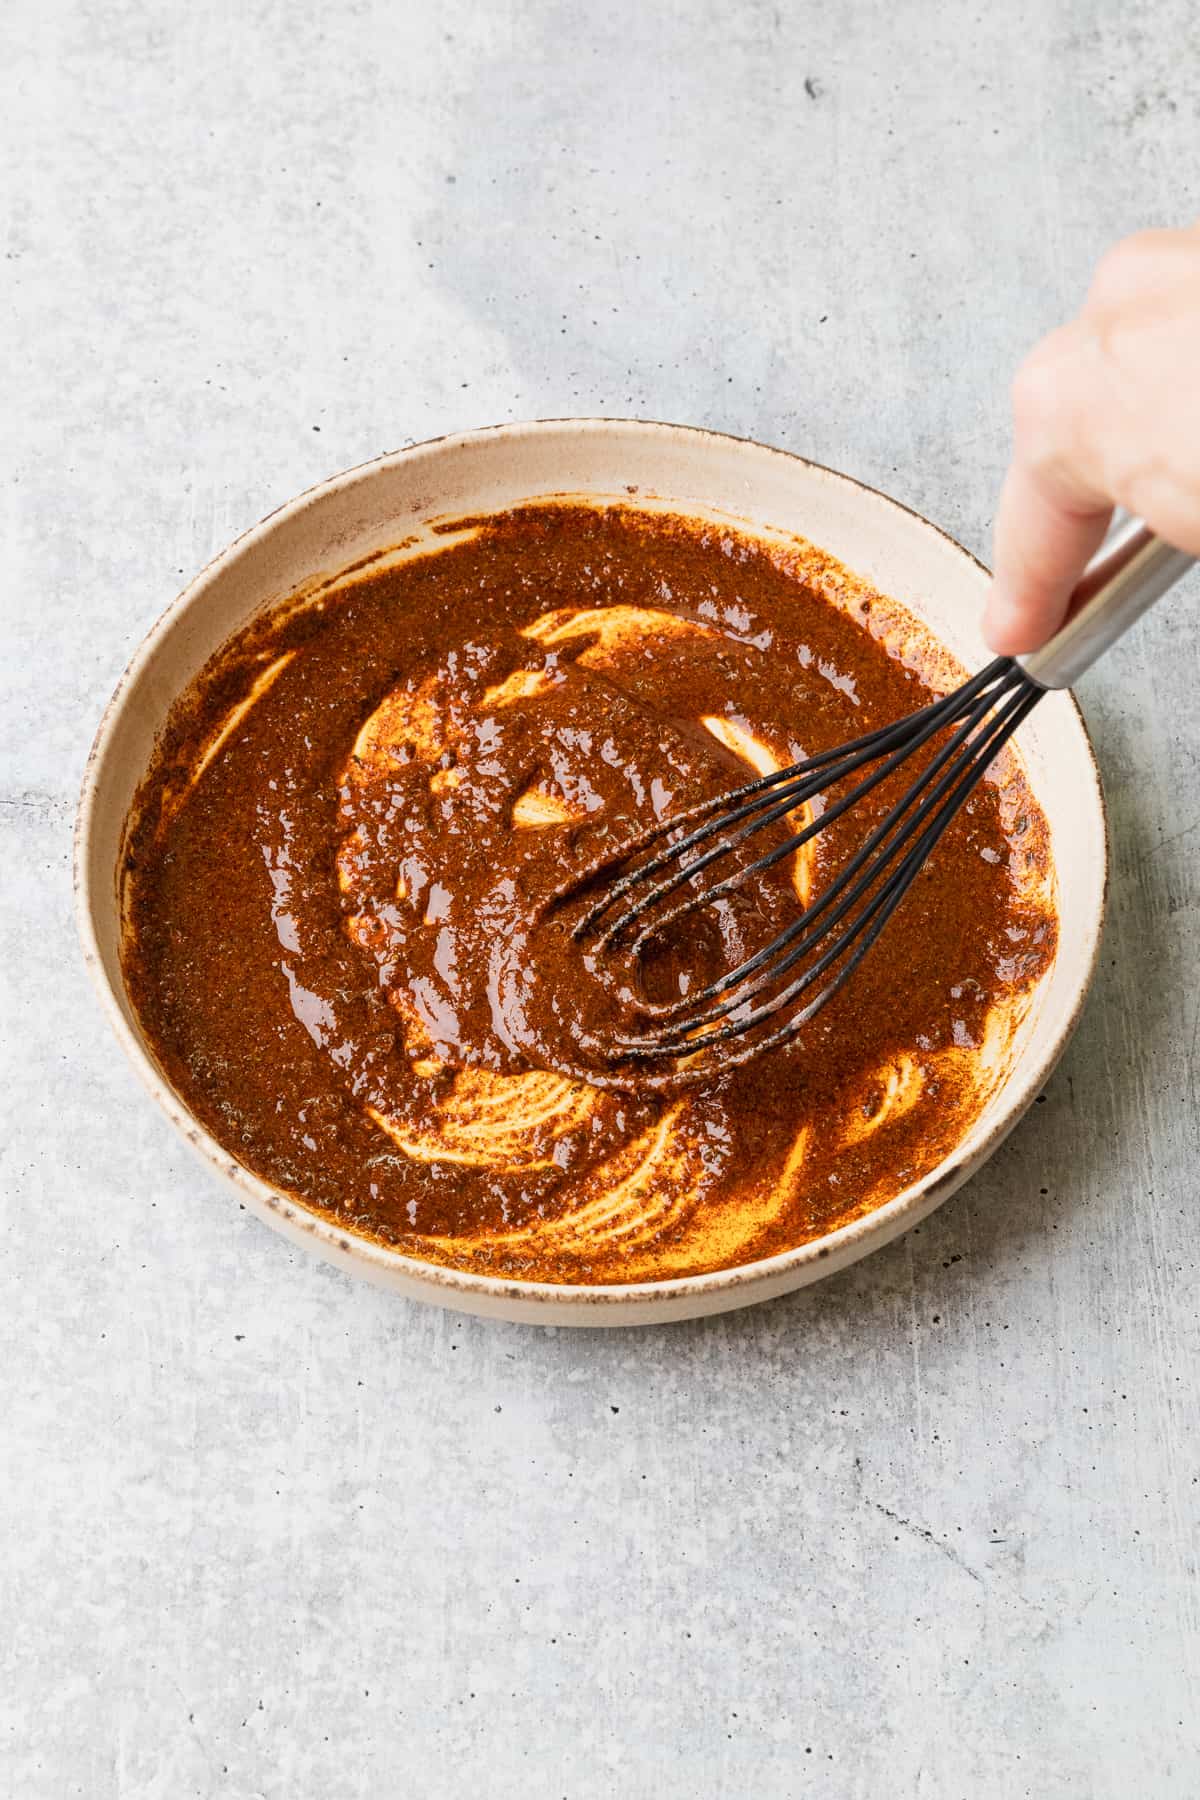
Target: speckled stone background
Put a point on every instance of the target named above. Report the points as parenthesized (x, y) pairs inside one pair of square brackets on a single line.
[(928, 1529)]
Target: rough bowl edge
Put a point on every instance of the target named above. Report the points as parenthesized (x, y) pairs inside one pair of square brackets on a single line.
[(547, 1302)]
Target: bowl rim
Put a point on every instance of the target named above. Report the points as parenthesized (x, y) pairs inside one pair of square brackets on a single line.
[(450, 1285)]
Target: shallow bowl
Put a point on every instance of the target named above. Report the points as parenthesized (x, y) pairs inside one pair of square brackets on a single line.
[(369, 509)]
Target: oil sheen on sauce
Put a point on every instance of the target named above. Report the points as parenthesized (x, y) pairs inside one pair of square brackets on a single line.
[(337, 862)]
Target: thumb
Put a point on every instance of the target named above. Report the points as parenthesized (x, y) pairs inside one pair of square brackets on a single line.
[(1042, 544)]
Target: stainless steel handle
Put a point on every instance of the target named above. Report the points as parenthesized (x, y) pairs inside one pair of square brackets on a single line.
[(1130, 571)]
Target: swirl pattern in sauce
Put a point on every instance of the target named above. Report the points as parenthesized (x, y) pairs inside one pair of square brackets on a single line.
[(339, 859)]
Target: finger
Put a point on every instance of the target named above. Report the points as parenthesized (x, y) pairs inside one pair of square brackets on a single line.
[(1043, 541), (1137, 267), (1054, 504)]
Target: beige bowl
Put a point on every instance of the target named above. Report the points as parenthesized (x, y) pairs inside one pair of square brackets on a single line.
[(372, 508)]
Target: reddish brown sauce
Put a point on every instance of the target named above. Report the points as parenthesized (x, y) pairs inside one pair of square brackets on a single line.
[(339, 861)]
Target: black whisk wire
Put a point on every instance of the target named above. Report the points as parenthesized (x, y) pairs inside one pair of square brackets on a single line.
[(737, 977), (966, 772), (844, 922), (794, 787)]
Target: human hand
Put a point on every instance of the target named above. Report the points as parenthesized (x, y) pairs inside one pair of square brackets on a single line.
[(1106, 412)]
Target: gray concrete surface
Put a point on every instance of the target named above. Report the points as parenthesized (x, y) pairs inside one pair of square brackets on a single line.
[(929, 1529)]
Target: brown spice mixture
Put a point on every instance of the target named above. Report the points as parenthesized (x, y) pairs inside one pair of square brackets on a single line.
[(331, 940)]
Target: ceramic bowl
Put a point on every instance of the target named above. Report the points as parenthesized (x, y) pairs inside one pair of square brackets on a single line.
[(375, 506)]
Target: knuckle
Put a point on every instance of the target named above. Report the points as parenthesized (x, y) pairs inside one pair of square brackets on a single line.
[(1127, 265)]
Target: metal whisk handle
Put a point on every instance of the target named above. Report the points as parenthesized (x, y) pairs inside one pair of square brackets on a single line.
[(1130, 571)]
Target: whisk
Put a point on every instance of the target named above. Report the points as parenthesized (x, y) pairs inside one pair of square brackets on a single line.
[(648, 884)]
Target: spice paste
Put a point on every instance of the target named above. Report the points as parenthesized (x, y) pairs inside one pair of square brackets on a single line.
[(338, 870)]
